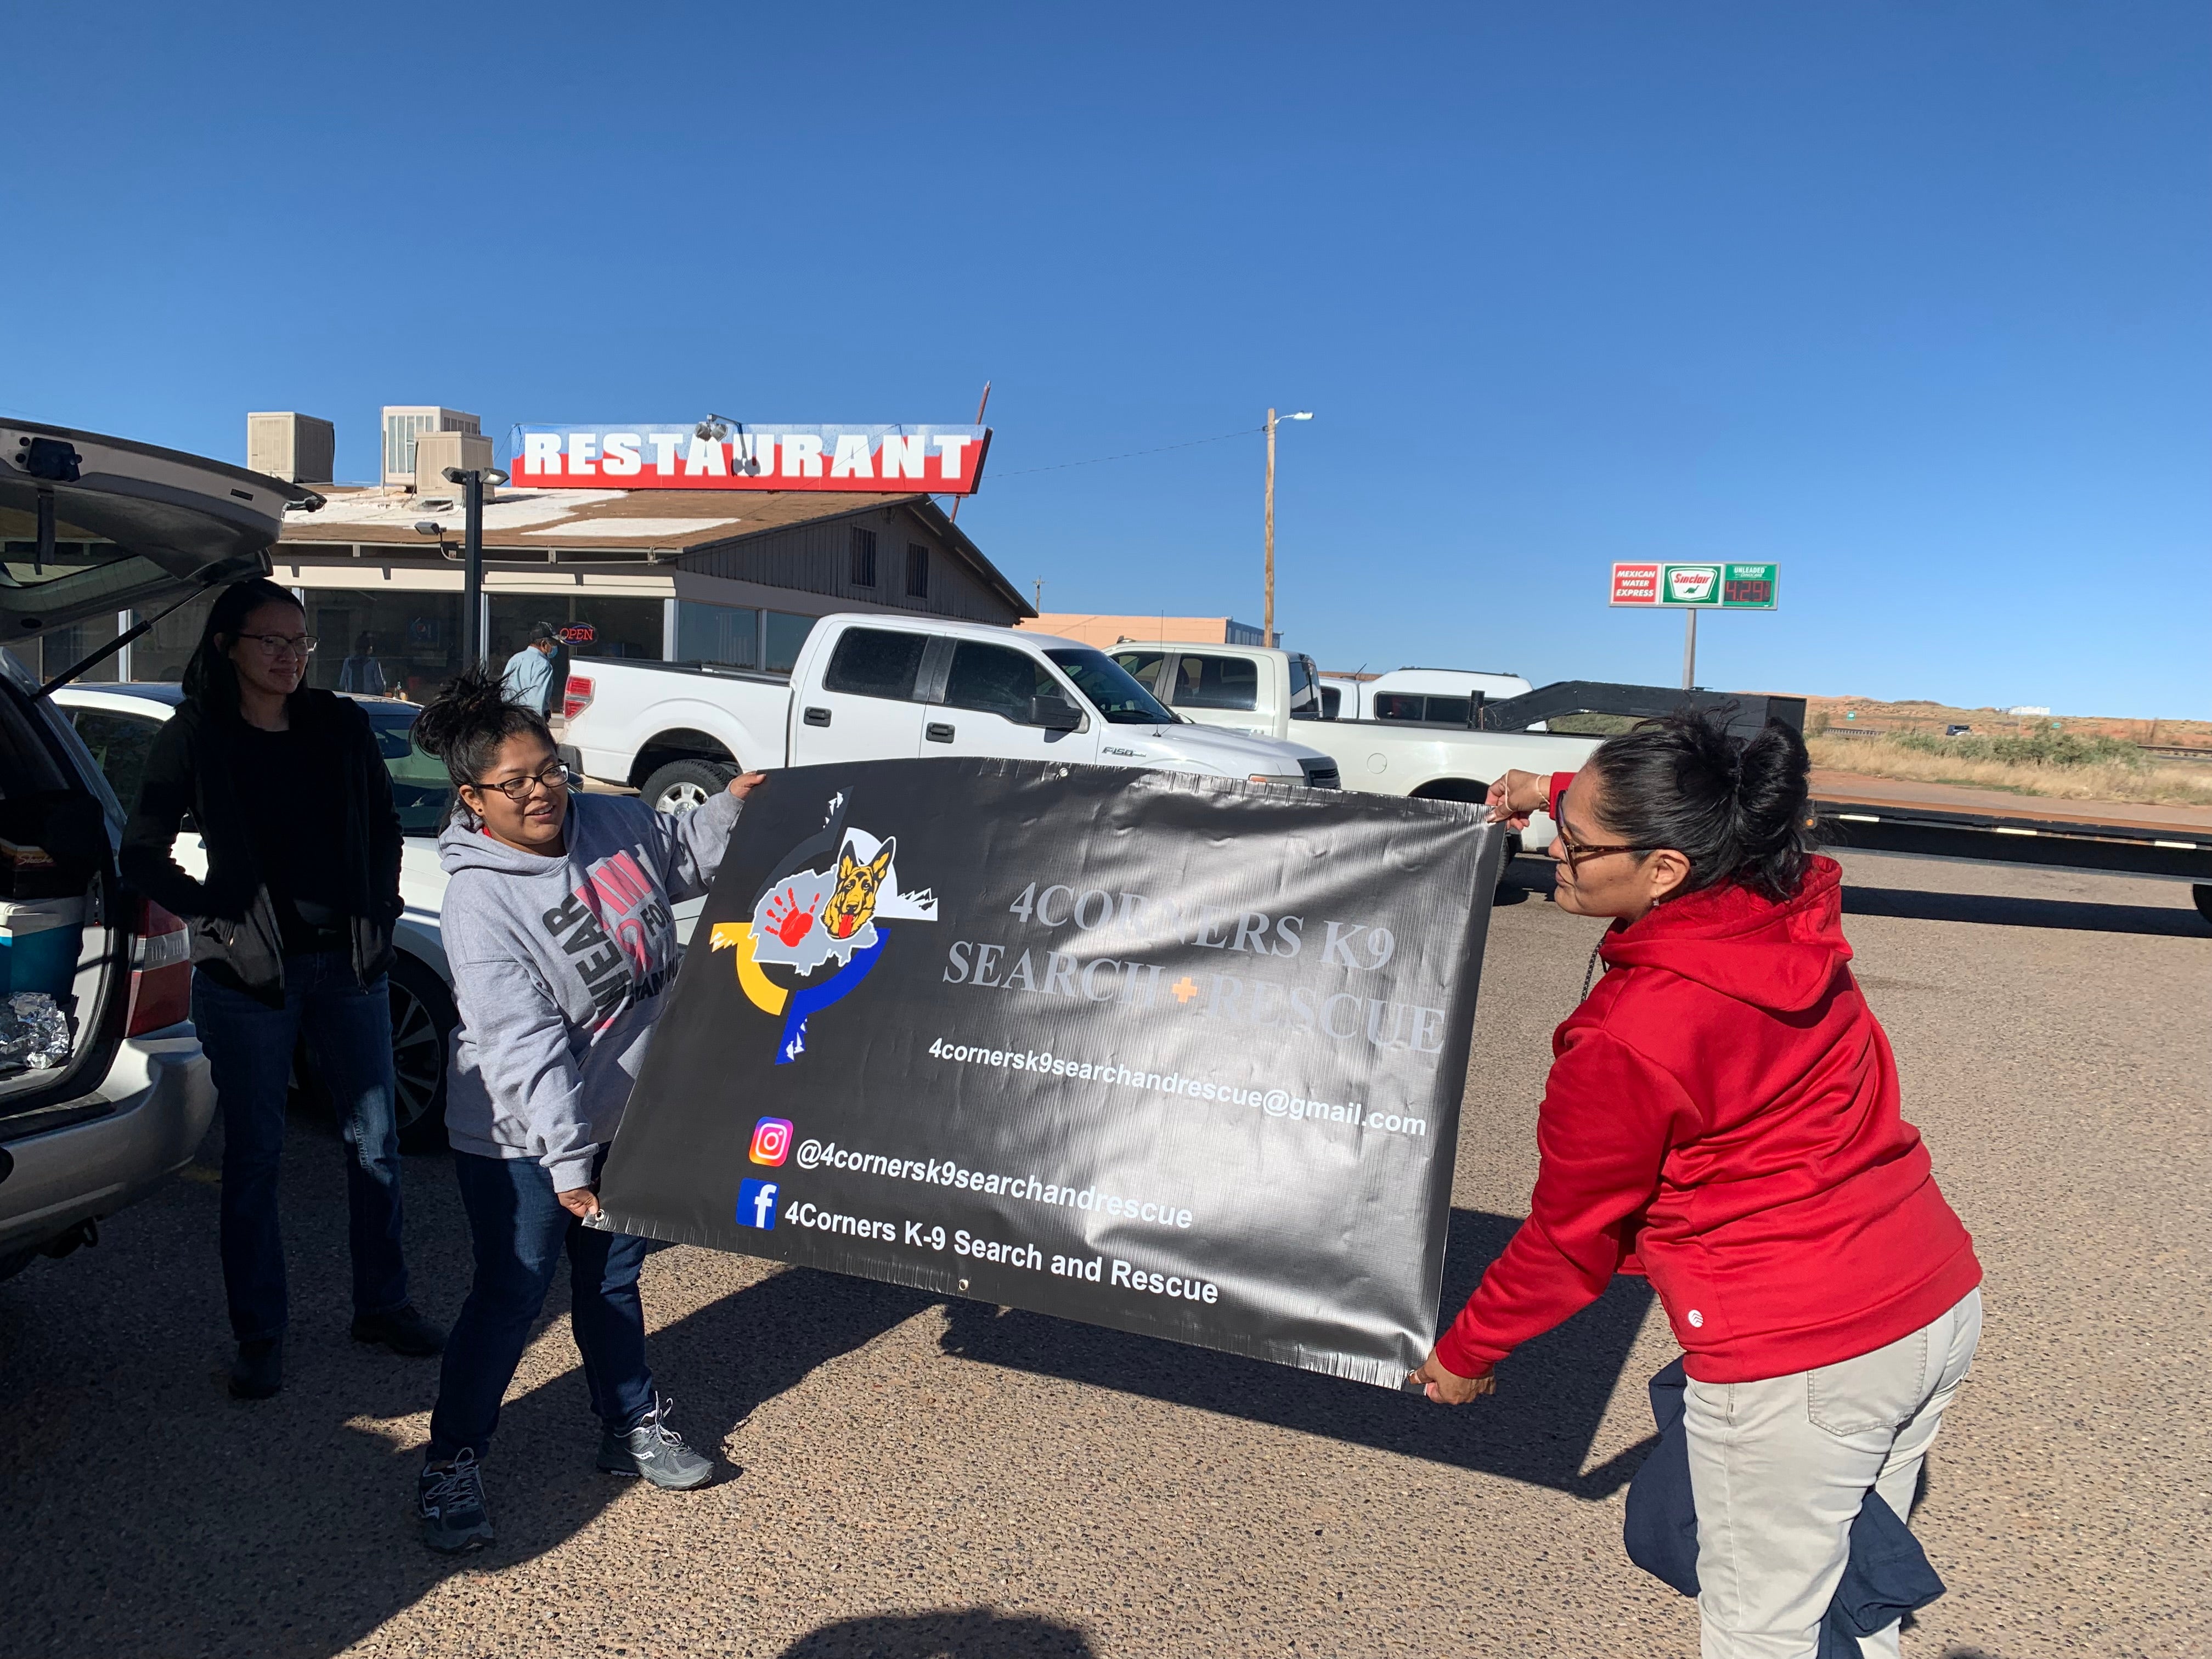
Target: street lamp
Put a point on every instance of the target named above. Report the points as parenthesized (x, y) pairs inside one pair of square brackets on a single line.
[(1267, 621), (715, 429), (472, 480)]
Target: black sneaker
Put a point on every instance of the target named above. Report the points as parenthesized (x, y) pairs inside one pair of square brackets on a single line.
[(403, 1330), (655, 1451), (259, 1371), (450, 1500)]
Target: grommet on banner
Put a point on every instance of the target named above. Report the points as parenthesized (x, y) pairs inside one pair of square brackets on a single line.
[(963, 1284)]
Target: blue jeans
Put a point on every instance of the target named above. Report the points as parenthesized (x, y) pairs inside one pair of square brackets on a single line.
[(249, 1049), (519, 1233)]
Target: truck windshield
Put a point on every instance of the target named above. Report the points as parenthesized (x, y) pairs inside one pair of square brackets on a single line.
[(1117, 697)]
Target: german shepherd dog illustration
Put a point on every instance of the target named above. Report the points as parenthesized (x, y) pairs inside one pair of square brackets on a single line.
[(854, 900)]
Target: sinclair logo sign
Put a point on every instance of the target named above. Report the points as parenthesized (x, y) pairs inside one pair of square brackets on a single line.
[(1699, 587), (935, 460)]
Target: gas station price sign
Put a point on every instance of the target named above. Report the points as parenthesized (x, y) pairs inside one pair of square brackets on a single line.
[(1668, 586)]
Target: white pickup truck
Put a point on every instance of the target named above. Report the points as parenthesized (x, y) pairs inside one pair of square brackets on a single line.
[(1266, 693), (1439, 696), (881, 687)]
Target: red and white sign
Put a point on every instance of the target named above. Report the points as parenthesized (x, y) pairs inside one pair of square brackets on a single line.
[(934, 460), (1635, 584)]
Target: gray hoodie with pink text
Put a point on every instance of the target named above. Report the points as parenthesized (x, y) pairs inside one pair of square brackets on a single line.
[(560, 967)]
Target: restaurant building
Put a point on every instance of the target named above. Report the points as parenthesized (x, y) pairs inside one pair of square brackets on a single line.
[(732, 579)]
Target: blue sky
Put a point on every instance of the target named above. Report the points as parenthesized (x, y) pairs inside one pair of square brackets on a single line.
[(1915, 298)]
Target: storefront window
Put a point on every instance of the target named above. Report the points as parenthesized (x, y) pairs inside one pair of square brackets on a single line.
[(381, 644), (725, 634), (61, 649), (783, 634), (161, 652), (588, 624)]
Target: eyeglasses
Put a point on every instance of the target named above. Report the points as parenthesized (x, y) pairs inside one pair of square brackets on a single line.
[(1575, 856), (554, 777), (284, 645)]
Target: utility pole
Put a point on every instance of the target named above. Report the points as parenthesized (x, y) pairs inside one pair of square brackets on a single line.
[(1039, 589), (1689, 650), (1268, 620)]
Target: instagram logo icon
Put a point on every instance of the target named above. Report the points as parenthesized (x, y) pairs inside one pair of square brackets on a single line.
[(771, 1140)]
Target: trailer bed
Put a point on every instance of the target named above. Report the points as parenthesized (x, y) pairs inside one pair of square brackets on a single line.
[(1989, 826)]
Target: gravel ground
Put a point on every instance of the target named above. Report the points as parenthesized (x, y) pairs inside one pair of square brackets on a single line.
[(913, 1479)]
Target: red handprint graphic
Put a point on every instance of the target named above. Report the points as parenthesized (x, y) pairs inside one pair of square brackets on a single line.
[(786, 919)]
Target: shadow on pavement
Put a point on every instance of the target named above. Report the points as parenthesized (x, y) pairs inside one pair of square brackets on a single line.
[(1529, 877), (1998, 911), (171, 1520), (1538, 1427), (954, 1633)]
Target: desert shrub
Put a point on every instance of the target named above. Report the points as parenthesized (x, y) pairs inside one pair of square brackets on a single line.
[(2045, 748)]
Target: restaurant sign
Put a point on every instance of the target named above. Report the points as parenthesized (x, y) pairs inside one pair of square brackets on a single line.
[(936, 460)]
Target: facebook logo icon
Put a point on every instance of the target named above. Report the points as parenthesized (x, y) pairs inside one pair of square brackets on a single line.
[(756, 1203)]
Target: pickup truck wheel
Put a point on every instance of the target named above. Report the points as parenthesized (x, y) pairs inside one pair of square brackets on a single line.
[(2202, 893), (685, 786)]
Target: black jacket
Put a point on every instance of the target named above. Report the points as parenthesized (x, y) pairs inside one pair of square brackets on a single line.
[(1886, 1577), (236, 939)]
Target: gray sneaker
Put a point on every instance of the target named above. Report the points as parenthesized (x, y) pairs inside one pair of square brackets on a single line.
[(450, 1500), (655, 1451)]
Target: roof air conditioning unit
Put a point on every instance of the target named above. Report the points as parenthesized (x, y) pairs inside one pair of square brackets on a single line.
[(404, 423), (436, 451), (297, 448)]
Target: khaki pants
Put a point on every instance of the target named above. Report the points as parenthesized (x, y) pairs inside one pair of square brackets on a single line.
[(1779, 1467)]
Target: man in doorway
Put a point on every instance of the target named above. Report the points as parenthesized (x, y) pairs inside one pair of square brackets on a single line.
[(528, 681)]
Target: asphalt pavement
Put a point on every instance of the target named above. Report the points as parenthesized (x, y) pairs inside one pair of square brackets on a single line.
[(909, 1477)]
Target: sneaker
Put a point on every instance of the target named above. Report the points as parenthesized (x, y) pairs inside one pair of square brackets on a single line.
[(655, 1451), (450, 1499), (259, 1371), (403, 1330)]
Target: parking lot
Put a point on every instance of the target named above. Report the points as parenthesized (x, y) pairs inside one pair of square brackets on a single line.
[(912, 1477)]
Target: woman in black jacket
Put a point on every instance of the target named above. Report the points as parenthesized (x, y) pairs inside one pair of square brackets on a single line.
[(291, 937)]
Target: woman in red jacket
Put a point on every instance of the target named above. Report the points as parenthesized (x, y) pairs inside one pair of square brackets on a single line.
[(1721, 1116)]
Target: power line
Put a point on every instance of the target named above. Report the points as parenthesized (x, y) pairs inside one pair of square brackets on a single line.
[(1097, 460)]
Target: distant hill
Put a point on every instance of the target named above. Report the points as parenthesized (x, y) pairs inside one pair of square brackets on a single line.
[(1844, 715)]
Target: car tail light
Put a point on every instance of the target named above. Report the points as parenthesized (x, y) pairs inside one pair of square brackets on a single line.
[(579, 697), (160, 972)]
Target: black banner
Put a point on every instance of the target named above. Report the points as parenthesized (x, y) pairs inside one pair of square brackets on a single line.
[(1173, 1054)]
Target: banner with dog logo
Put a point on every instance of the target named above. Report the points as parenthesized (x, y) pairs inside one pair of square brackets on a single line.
[(1174, 1055)]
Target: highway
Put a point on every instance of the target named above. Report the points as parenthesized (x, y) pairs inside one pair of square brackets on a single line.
[(912, 1477)]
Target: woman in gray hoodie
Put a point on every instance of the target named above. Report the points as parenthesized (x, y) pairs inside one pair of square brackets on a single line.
[(558, 928)]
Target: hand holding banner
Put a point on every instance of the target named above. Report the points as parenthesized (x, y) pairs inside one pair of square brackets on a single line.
[(1171, 1054)]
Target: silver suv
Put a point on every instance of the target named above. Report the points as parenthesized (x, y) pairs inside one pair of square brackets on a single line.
[(94, 525)]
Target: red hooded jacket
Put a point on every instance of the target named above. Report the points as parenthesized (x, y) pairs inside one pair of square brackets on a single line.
[(1721, 1116)]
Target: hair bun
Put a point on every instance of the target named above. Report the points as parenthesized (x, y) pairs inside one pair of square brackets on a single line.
[(1734, 807), (1774, 783), (463, 707)]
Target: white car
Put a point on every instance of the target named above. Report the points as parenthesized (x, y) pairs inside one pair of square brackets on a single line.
[(118, 723), (95, 1121), (1424, 752)]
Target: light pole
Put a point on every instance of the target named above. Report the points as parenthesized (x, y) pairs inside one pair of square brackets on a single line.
[(1267, 619), (472, 480)]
